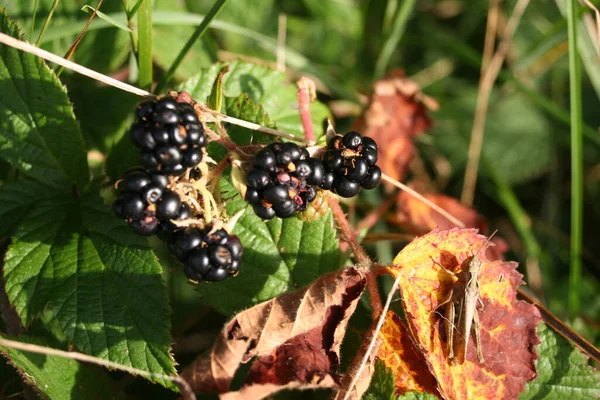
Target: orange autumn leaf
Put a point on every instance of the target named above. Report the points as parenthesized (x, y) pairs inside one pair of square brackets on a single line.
[(394, 116), (399, 353), (507, 329)]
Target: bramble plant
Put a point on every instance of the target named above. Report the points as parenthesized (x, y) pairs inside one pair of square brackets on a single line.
[(212, 238)]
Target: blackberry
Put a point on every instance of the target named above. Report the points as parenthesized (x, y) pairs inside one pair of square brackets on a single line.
[(283, 180), (170, 136), (147, 205), (350, 164), (207, 255)]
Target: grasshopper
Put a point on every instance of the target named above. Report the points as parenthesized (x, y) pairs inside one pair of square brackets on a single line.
[(464, 295)]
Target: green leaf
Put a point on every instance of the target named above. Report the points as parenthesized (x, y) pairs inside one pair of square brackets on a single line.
[(563, 371), (71, 257), (245, 108), (102, 126), (383, 383), (38, 131), (511, 120), (58, 377), (266, 87), (15, 201), (169, 40), (279, 256)]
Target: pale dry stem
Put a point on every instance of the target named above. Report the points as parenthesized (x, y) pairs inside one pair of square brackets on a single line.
[(186, 390), (424, 200), (486, 84), (372, 344)]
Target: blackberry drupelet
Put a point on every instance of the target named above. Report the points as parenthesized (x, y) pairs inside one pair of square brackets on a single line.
[(169, 135)]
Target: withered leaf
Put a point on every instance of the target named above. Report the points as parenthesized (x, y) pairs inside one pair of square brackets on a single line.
[(416, 217), (311, 319), (508, 327), (400, 355), (394, 115)]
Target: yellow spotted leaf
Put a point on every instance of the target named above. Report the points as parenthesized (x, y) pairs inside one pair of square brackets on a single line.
[(507, 326), (399, 353)]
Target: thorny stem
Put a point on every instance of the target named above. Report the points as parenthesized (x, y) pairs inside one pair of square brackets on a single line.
[(306, 95), (363, 262)]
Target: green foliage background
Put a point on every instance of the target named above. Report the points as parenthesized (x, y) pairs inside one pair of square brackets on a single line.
[(77, 277)]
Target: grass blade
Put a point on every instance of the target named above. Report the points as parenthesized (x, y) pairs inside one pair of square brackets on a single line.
[(392, 41), (576, 161), (145, 45), (216, 8), (47, 21)]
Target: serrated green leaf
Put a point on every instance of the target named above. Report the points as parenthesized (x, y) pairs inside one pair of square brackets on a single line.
[(71, 257), (266, 87), (279, 256), (383, 383), (102, 127), (38, 131), (563, 371), (243, 107), (15, 200), (57, 377)]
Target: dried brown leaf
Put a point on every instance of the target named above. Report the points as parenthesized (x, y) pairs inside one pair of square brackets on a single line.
[(268, 329), (394, 116)]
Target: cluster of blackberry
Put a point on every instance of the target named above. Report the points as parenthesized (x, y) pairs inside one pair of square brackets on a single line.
[(284, 178), (209, 255), (351, 160), (170, 136)]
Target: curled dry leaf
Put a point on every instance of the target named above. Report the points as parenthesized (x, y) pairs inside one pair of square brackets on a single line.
[(418, 218), (507, 326), (394, 116), (296, 336), (399, 353)]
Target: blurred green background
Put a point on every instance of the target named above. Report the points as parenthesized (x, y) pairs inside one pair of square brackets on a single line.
[(524, 184)]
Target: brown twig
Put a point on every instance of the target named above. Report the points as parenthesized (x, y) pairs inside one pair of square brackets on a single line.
[(562, 329), (71, 51), (486, 84), (306, 95)]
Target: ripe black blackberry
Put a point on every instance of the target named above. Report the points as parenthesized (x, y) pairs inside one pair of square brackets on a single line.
[(208, 255), (170, 136), (283, 180), (350, 164), (146, 203)]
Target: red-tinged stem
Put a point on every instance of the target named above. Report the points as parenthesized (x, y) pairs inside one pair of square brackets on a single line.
[(363, 262), (306, 95)]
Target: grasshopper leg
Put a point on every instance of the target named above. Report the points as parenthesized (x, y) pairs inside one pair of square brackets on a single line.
[(476, 336)]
